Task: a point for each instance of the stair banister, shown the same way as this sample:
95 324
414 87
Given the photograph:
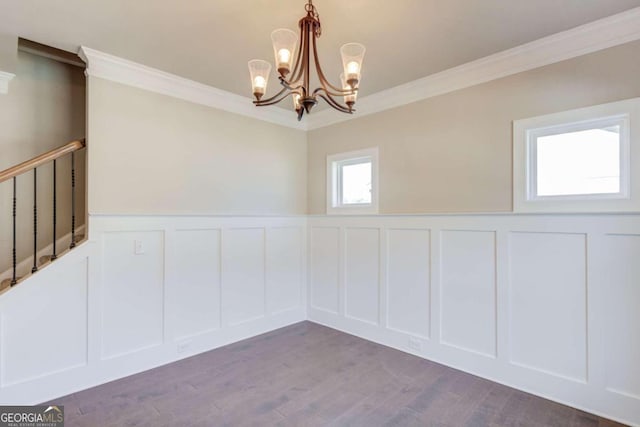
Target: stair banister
13 172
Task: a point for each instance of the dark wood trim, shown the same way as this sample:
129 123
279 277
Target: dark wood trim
56 54
41 159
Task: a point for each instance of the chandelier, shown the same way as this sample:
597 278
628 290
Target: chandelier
295 80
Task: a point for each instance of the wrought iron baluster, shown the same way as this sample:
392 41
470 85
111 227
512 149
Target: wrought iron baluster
55 201
35 221
14 257
73 201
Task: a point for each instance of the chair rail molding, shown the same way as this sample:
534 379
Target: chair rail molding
5 78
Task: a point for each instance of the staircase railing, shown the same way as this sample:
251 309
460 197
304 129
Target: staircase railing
14 172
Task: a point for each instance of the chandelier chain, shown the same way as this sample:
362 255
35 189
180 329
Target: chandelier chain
313 12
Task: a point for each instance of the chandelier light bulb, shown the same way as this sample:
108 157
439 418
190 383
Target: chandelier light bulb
259 83
283 57
353 71
296 101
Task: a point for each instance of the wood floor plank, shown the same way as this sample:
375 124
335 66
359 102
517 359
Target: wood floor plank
310 375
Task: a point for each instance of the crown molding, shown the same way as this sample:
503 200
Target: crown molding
5 78
594 36
113 68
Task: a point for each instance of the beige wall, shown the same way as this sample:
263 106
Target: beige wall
44 109
8 53
452 153
153 154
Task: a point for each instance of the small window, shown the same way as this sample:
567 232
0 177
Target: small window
575 161
352 182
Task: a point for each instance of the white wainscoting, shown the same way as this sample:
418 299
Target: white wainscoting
549 304
146 291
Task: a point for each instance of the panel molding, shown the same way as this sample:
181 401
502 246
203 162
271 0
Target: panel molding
363 270
158 336
338 278
260 283
171 346
586 240
494 289
531 249
386 249
54 285
623 344
174 278
269 267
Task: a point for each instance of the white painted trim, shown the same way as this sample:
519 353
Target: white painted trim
167 337
109 67
588 38
5 78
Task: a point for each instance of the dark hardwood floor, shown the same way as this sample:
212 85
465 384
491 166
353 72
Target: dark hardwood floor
306 375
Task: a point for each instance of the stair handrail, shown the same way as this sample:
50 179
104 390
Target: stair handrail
54 154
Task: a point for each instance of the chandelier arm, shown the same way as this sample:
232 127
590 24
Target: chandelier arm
299 70
296 71
288 85
308 27
273 100
268 100
345 92
333 103
323 80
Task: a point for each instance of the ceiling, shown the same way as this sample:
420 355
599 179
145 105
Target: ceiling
211 41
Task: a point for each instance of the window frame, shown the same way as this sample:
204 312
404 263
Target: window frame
335 162
625 114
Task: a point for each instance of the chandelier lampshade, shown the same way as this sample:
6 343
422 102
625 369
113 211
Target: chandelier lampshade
284 47
352 56
294 55
259 71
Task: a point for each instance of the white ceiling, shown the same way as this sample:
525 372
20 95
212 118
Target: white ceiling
211 41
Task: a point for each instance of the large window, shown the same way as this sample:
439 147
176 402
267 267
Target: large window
352 181
578 160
